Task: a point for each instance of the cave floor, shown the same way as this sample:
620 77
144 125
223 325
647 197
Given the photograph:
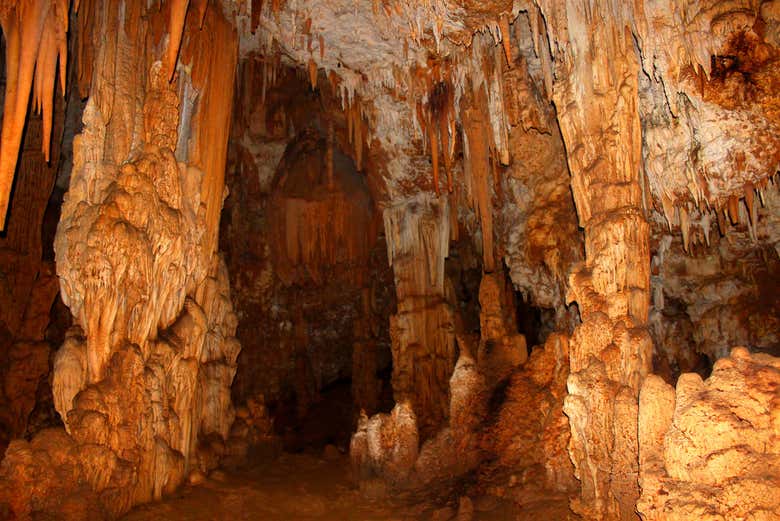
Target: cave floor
308 487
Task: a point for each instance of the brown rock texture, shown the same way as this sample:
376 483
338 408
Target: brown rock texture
400 189
501 347
533 446
597 96
303 242
710 449
28 284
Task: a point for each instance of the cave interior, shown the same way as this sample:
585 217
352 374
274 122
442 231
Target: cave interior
390 259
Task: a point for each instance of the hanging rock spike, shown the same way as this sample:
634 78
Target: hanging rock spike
175 30
503 25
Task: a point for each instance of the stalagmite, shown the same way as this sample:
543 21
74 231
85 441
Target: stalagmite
418 234
477 167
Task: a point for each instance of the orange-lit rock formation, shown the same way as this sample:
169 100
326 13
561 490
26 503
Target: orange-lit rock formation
502 244
708 449
146 373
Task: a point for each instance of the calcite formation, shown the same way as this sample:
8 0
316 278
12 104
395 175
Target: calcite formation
422 331
146 373
321 216
709 449
385 450
35 34
530 445
521 233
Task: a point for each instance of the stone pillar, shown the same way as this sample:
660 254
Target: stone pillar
595 94
143 382
501 347
422 332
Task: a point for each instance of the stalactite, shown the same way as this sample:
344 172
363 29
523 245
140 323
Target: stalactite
733 209
505 40
444 133
212 56
85 48
477 167
313 74
200 7
320 216
35 33
319 234
350 124
685 227
257 11
357 140
433 137
177 15
750 202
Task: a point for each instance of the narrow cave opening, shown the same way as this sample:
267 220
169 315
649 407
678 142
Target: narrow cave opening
535 323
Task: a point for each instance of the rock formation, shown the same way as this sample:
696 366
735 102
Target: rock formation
708 449
508 246
28 284
145 374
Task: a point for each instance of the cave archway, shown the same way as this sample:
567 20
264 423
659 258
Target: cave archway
305 245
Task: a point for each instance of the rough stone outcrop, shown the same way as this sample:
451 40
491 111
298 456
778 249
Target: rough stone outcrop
385 450
529 445
710 449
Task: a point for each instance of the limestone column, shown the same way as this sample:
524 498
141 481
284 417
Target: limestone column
422 331
595 94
